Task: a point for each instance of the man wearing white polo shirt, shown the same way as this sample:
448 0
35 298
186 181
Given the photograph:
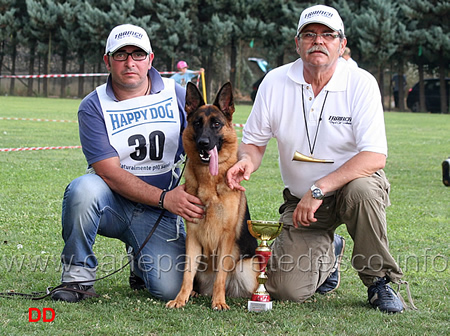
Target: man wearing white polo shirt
328 116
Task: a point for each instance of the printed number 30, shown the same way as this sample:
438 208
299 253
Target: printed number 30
156 141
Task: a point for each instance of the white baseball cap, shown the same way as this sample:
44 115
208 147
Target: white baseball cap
127 34
325 15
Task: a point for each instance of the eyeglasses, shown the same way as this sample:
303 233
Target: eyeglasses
122 56
309 37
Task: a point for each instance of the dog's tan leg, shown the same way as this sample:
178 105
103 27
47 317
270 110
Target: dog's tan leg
227 263
193 251
219 301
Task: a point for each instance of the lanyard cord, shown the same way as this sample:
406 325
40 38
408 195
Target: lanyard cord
311 148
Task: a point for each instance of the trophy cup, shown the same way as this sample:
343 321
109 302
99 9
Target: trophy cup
264 231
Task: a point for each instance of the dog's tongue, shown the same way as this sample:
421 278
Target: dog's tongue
213 161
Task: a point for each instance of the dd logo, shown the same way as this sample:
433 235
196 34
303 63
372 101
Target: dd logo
45 314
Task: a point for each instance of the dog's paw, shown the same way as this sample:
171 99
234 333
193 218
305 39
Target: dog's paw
220 306
175 304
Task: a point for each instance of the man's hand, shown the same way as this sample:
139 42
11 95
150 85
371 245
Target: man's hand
240 171
305 210
250 157
181 203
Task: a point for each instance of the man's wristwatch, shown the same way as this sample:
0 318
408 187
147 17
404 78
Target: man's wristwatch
317 193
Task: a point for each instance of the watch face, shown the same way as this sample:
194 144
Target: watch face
317 194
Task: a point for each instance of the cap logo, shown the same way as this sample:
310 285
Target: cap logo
318 13
128 34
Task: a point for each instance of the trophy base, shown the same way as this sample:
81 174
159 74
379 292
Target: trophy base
259 306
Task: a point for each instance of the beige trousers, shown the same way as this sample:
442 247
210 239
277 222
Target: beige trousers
303 257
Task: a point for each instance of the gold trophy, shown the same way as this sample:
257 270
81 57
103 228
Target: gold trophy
264 231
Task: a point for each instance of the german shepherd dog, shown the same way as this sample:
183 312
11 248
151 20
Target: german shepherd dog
219 248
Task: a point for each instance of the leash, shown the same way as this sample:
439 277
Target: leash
35 296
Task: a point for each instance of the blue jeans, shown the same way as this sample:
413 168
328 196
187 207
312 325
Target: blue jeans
90 207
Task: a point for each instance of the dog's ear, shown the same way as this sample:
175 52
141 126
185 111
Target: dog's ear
194 98
224 100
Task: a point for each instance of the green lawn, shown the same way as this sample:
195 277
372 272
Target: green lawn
32 185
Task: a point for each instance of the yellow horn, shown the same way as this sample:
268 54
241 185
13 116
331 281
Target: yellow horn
300 157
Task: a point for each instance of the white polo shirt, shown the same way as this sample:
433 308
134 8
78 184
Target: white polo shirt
352 121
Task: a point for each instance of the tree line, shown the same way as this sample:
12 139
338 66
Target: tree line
53 36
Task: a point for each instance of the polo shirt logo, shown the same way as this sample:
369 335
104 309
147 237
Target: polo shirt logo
339 120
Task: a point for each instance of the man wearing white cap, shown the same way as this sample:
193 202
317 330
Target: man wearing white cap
327 118
130 131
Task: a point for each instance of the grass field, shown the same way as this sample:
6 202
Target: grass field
31 189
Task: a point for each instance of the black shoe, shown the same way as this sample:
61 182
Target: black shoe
73 293
383 297
136 283
333 280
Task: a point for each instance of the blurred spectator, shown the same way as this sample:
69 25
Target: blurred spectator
184 75
347 55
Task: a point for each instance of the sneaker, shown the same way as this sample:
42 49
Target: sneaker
136 283
333 280
383 297
73 292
